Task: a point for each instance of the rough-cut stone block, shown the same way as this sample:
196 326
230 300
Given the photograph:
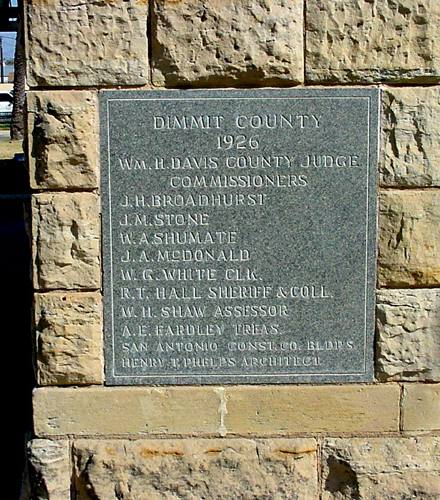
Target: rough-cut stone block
66 241
408 335
421 407
285 410
69 338
411 137
87 43
371 41
49 469
145 411
63 140
221 43
409 242
196 469
386 468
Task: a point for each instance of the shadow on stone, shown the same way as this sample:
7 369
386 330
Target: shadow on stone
341 479
16 304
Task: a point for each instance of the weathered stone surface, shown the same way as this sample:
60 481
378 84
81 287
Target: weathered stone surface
261 410
221 43
87 43
69 338
409 243
196 469
408 335
369 41
63 140
421 407
381 468
66 234
266 410
118 411
411 137
49 469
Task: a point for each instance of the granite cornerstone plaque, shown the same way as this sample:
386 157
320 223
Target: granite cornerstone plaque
239 235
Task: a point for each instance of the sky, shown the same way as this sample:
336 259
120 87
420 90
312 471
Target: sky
8 44
9 39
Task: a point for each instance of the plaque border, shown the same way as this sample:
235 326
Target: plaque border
373 107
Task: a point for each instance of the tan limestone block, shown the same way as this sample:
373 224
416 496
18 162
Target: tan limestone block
408 335
421 407
49 469
225 42
372 41
72 43
69 338
281 410
386 468
196 469
63 139
409 243
66 241
101 411
411 137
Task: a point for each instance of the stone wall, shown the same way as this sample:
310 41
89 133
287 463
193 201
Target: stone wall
371 441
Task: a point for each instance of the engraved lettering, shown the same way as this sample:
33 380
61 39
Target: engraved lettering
132 164
329 161
203 255
128 312
189 274
172 122
143 363
274 121
183 311
242 181
128 275
251 311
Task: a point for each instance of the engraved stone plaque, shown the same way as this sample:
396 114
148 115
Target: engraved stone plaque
239 235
